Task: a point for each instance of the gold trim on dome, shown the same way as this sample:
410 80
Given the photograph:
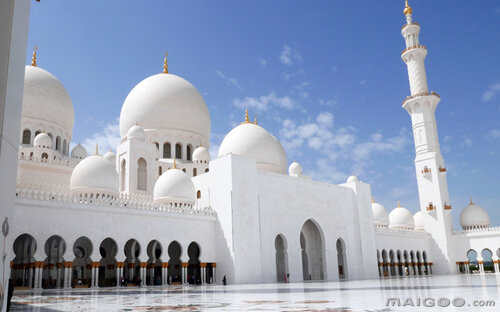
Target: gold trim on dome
34 57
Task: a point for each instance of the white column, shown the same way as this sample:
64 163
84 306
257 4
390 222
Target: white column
94 277
481 265
37 275
203 275
143 279
67 276
497 265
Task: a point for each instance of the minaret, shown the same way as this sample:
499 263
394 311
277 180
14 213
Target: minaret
429 163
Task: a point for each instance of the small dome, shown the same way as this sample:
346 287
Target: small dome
420 219
295 169
166 102
352 179
473 217
42 140
110 156
136 132
79 152
201 154
253 141
174 186
94 174
46 99
401 218
379 214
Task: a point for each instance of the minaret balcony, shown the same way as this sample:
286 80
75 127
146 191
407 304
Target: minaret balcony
413 96
447 207
430 207
418 46
442 170
426 172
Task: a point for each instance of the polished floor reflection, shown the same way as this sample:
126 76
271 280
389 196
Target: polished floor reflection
437 293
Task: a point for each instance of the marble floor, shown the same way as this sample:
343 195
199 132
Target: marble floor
437 293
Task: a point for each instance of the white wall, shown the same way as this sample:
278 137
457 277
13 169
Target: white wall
14 24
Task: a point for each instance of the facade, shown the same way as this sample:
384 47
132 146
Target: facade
160 211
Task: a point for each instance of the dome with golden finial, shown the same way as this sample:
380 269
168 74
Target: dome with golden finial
408 9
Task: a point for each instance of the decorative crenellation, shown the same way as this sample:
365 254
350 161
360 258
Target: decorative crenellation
124 200
478 229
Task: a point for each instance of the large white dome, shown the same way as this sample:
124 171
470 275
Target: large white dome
46 99
174 186
94 174
379 214
474 216
401 218
166 102
253 141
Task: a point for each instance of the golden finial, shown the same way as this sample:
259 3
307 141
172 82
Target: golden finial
96 149
165 64
247 120
471 202
255 120
399 204
34 57
373 200
408 9
175 165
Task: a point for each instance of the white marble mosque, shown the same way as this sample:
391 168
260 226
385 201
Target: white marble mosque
76 214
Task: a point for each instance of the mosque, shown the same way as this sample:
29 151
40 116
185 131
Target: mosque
160 211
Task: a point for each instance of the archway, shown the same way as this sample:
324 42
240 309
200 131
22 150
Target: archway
385 263
23 270
132 264
166 150
473 264
406 264
488 265
178 151
341 258
53 266
174 271
426 264
107 266
154 267
142 175
312 246
412 263
194 265
419 263
26 137
379 264
123 175
392 268
281 259
82 264
400 262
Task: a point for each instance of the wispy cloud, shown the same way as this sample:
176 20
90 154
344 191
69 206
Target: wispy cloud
229 80
289 55
494 133
491 92
264 102
107 139
263 62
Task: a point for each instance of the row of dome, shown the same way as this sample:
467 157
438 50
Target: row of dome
471 217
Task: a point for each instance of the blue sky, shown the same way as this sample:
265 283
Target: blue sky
325 77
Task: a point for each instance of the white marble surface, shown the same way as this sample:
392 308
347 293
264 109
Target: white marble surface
368 295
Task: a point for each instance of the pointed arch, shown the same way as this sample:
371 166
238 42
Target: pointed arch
123 175
280 245
341 258
313 251
142 174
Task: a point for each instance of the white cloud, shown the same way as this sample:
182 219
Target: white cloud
289 55
229 80
494 133
325 119
107 139
264 102
491 92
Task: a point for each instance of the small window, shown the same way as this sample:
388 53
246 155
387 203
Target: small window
198 194
194 172
188 152
159 171
166 150
178 151
26 136
206 170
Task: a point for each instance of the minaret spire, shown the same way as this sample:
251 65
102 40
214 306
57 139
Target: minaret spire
34 57
165 63
429 163
96 149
